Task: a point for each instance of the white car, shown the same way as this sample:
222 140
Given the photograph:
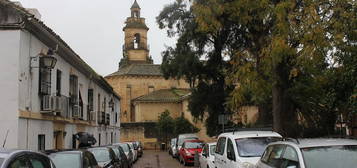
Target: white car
206 157
310 153
242 149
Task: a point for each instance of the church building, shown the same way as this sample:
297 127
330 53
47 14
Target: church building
144 92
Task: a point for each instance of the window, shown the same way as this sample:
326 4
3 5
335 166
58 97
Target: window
116 117
80 105
98 105
274 158
221 144
19 162
136 41
39 161
99 139
204 150
58 82
90 104
73 89
151 89
105 104
45 81
290 158
41 142
230 151
111 137
73 94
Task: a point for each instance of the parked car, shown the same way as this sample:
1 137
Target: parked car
135 152
140 148
172 147
24 158
105 157
310 153
74 159
188 150
180 139
206 157
119 152
242 148
127 151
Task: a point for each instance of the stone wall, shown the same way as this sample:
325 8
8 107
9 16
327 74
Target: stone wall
131 87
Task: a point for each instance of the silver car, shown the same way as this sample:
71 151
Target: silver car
310 153
24 158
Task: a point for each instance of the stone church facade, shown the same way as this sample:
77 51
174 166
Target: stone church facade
144 92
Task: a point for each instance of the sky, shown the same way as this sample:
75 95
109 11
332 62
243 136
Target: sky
93 28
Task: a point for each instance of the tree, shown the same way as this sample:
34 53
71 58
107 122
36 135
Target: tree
198 58
285 53
165 126
297 58
182 125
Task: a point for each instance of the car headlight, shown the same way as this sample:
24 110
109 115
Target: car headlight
248 165
188 153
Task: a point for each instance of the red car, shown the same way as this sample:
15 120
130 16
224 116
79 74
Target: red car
188 150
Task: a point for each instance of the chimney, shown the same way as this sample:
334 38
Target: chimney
32 11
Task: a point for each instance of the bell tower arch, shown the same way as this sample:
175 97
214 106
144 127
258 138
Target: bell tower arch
136 49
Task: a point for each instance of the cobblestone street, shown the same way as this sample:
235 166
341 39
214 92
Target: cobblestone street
157 159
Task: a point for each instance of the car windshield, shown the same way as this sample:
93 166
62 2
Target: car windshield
125 147
253 147
193 145
66 160
101 155
212 149
330 156
181 140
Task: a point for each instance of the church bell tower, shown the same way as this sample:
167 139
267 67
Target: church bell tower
135 49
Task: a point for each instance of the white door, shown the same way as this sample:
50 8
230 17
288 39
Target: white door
230 155
219 158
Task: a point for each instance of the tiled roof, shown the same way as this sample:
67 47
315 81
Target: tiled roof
165 95
138 70
135 5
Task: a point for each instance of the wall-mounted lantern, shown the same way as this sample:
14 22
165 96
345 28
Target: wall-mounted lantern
46 61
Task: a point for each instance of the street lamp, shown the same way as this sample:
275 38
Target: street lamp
48 61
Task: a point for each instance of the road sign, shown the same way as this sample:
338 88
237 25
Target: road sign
223 119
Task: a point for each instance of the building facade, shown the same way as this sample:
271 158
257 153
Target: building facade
144 91
45 107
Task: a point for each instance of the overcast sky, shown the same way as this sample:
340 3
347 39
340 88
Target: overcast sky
93 28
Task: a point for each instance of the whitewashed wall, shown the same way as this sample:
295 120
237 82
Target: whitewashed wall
29 99
9 99
30 129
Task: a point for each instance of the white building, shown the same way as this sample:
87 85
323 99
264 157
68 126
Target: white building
42 108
